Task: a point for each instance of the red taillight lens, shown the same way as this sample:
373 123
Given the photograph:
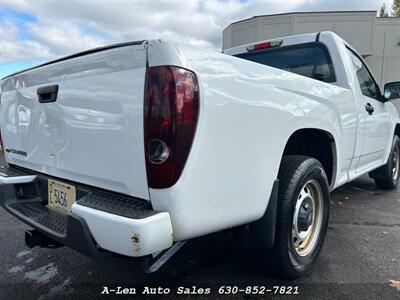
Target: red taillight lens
171 106
262 46
265 45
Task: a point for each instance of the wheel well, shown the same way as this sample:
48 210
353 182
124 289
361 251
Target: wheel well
397 130
315 143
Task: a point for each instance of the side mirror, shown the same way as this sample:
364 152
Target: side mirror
392 90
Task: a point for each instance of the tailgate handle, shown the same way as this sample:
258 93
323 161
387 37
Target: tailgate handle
47 93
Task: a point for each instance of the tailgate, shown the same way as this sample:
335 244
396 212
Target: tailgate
93 132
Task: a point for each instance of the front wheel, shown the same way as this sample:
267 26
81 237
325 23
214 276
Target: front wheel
387 176
302 216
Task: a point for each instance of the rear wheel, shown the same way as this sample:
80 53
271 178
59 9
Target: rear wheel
387 176
302 216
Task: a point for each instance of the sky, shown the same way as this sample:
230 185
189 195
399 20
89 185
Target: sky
35 31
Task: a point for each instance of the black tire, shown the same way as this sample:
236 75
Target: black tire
294 174
384 176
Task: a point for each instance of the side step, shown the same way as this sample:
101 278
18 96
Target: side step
40 216
117 204
51 229
10 175
151 264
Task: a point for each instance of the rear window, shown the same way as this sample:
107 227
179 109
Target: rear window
310 60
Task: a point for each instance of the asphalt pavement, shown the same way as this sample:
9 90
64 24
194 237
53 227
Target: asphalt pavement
360 256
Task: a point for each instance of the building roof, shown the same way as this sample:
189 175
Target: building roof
304 12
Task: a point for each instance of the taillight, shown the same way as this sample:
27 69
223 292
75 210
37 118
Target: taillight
171 106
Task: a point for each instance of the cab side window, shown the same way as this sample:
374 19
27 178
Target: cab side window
367 83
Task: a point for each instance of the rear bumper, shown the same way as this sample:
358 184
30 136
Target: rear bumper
99 221
127 236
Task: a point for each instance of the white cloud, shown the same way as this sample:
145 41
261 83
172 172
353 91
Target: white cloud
63 37
68 26
13 49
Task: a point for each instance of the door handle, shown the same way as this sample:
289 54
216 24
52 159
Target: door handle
47 93
369 108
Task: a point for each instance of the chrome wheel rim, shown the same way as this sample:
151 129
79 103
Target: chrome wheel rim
307 218
395 163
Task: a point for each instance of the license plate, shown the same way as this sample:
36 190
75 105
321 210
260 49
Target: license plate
61 195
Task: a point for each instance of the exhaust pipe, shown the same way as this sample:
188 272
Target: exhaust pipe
35 238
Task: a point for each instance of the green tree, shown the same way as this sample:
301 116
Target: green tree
396 8
382 12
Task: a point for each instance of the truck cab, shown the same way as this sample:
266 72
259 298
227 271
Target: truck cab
368 119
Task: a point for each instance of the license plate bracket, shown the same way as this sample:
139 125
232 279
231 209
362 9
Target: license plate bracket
61 196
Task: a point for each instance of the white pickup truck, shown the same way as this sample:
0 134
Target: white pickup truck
135 148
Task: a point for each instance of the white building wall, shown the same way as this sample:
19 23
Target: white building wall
356 27
377 39
385 61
